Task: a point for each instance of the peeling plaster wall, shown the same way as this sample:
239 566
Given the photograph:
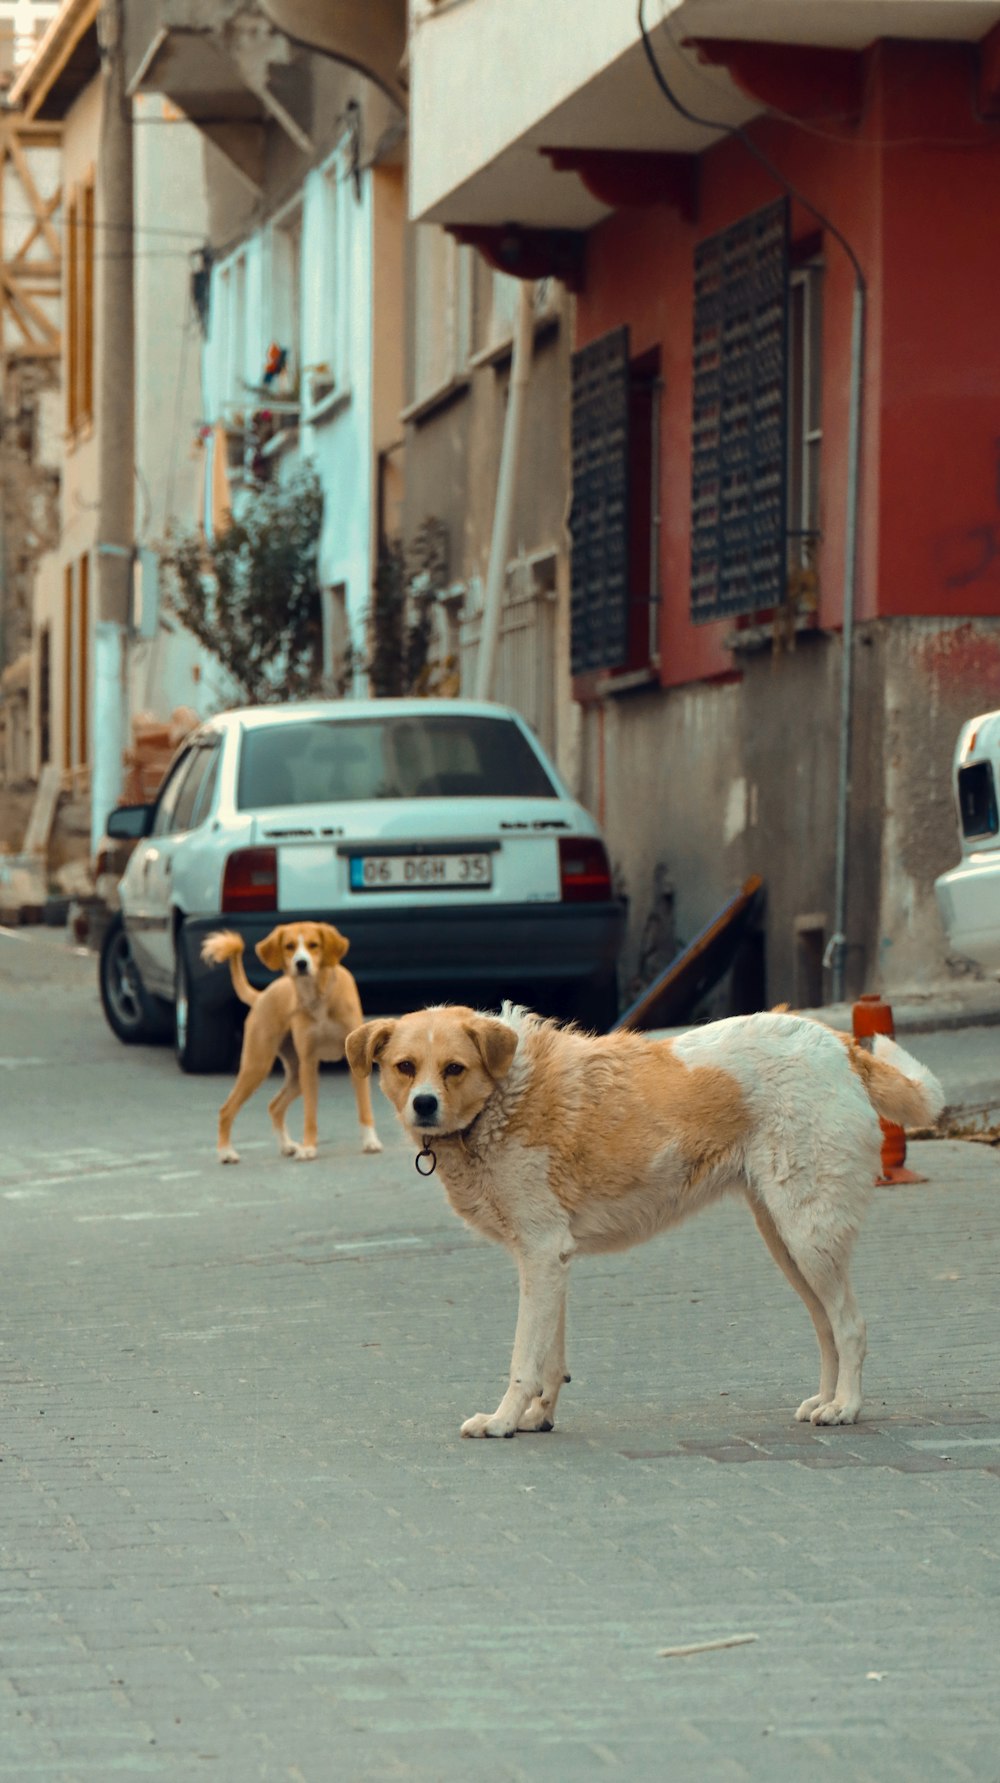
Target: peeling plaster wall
937 673
720 781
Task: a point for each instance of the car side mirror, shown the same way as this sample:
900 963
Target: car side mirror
128 822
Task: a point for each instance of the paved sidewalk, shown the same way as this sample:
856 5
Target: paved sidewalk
961 1003
242 1539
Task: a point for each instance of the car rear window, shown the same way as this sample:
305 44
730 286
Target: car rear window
977 800
319 761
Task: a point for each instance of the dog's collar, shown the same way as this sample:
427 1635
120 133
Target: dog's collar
425 1162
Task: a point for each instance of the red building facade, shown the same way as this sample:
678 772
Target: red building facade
898 147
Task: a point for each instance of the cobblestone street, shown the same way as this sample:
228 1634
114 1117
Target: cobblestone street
242 1538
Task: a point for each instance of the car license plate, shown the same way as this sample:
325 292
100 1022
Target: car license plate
421 872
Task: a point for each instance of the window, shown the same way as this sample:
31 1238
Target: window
504 296
443 306
614 522
805 430
67 654
599 515
739 422
286 289
163 822
83 660
977 800
194 796
496 297
229 335
80 306
329 293
45 695
323 761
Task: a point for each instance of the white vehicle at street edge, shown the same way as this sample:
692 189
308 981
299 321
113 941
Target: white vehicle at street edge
969 895
434 833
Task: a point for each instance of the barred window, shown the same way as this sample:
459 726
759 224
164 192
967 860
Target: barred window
739 520
599 521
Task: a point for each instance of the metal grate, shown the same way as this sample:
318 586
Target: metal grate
738 446
599 523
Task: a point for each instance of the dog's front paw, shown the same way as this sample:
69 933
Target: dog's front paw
228 1154
485 1425
303 1154
834 1412
806 1409
370 1141
288 1148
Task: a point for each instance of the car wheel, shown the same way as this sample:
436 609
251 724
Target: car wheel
203 1038
131 1013
595 1004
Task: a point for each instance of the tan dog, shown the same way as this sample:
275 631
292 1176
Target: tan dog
303 1017
556 1142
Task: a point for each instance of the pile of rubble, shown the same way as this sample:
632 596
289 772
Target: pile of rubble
51 874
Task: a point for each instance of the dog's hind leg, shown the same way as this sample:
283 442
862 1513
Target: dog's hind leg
820 1248
251 1075
828 1363
279 1104
541 1413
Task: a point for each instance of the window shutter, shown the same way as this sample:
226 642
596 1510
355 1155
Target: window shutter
738 444
599 526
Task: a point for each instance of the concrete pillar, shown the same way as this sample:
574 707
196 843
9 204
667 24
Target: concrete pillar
115 420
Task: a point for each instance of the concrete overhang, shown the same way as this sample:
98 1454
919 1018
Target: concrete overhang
572 76
369 35
229 71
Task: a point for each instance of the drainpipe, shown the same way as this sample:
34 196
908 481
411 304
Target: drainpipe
115 426
836 952
503 512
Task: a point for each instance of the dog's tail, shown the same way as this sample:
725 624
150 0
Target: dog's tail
224 944
899 1088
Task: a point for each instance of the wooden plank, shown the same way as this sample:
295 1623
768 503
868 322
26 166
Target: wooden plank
41 213
43 811
19 300
696 968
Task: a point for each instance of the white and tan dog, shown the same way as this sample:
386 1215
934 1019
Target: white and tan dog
556 1143
302 1018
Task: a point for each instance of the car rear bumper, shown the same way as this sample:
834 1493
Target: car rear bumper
463 955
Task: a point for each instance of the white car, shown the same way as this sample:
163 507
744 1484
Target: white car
434 833
969 896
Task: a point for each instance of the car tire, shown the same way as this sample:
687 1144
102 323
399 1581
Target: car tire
136 1017
203 1038
595 1004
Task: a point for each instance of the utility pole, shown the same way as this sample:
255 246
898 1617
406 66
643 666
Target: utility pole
115 421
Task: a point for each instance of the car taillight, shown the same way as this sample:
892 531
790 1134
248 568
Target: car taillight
250 881
584 872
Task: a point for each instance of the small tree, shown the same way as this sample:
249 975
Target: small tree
409 583
252 597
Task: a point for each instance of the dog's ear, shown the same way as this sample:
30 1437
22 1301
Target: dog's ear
335 944
364 1046
495 1042
269 952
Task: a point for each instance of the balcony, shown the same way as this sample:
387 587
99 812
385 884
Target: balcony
228 69
541 115
367 34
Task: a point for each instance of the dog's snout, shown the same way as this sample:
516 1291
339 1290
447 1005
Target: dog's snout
302 965
425 1106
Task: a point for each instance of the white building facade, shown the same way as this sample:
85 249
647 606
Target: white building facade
299 288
